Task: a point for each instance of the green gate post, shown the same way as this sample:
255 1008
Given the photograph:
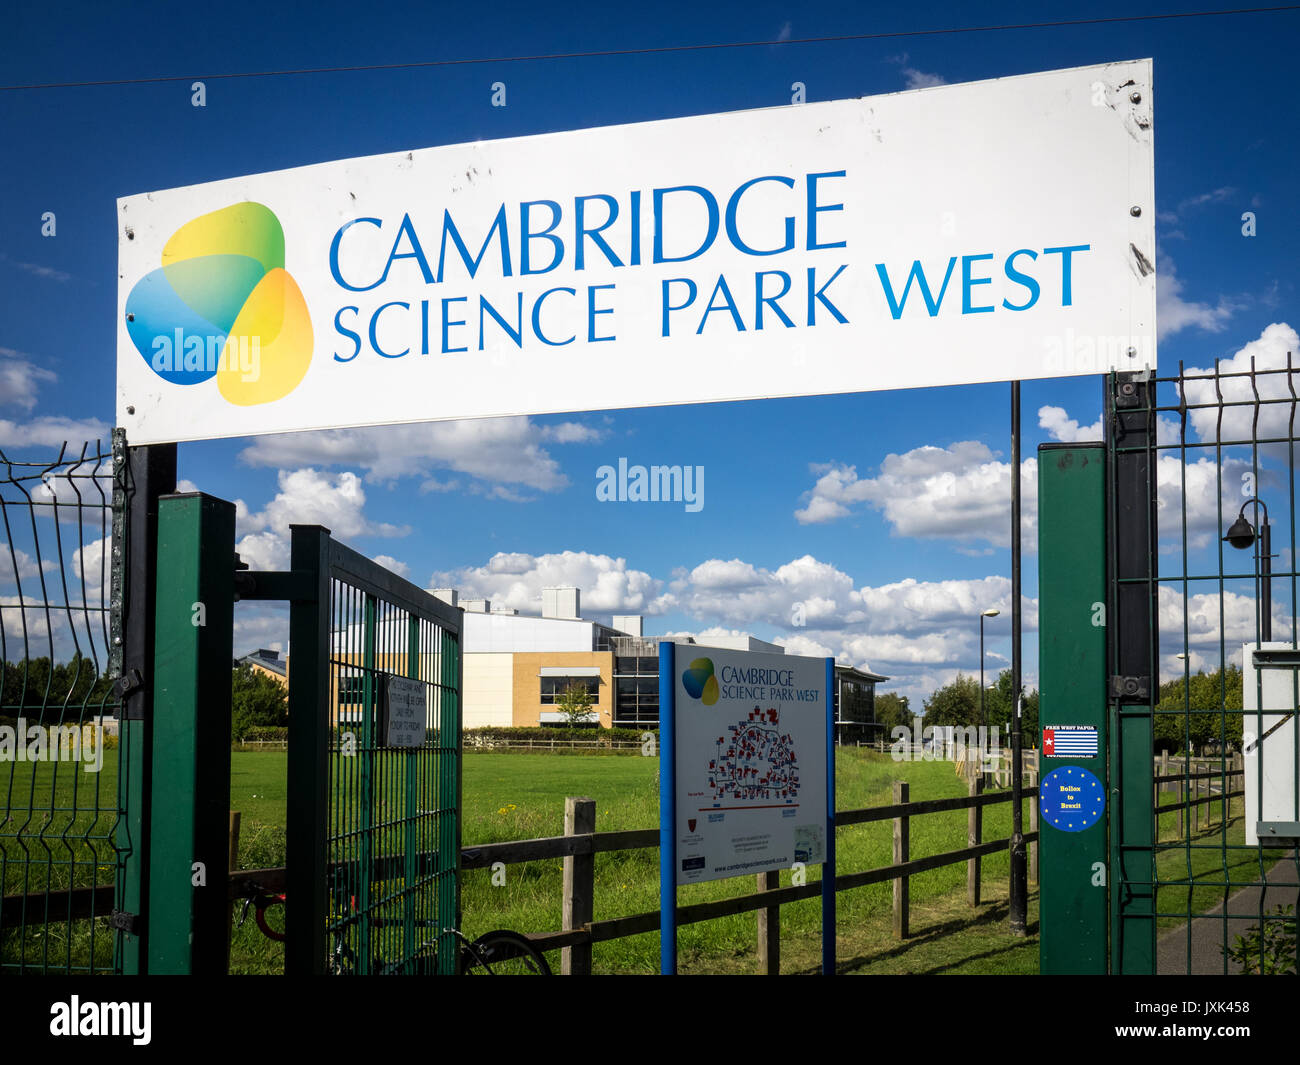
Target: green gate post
1132 627
307 821
1072 667
190 824
146 474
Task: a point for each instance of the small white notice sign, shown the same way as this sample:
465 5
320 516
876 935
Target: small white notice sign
405 714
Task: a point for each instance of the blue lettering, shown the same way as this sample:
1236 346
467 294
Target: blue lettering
918 275
1021 279
374 328
472 265
709 201
516 334
814 209
537 318
668 305
579 213
760 299
345 331
1065 253
968 282
416 252
734 203
447 324
527 236
592 311
729 305
334 254
817 294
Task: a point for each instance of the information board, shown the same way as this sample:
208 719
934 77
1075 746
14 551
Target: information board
751 770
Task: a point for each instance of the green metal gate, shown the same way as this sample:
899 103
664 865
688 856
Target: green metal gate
1199 752
374 821
116 610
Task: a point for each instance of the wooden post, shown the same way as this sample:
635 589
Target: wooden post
579 885
1162 787
901 854
232 866
769 928
974 824
1033 827
1182 799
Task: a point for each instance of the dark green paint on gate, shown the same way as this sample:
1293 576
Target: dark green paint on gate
1072 668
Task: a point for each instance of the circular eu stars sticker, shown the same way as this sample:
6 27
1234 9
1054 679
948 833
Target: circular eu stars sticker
1071 799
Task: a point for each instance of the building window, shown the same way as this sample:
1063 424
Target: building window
553 688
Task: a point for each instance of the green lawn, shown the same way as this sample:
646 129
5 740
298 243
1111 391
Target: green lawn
511 796
521 796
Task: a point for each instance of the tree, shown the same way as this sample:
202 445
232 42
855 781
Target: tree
998 711
256 700
892 710
955 704
1195 713
575 704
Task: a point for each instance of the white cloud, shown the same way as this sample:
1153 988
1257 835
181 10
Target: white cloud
504 451
17 565
516 580
52 431
919 79
1267 352
1065 428
961 492
388 562
306 497
1174 314
20 380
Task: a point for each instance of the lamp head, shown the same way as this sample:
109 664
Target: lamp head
1241 534
990 613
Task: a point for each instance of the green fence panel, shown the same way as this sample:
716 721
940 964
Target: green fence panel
61 848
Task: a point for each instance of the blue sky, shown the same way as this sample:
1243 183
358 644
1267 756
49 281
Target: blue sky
885 515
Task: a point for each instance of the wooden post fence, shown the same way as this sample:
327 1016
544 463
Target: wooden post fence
579 886
974 827
901 854
769 928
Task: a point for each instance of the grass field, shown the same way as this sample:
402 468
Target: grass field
509 796
521 796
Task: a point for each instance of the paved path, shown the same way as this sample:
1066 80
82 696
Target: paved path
1208 933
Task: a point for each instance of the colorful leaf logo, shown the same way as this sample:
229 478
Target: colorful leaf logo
222 305
700 683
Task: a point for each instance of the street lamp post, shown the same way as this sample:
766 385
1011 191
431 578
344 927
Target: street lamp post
983 615
1241 535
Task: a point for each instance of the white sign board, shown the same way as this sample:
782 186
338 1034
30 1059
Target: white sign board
1268 743
990 231
750 762
405 712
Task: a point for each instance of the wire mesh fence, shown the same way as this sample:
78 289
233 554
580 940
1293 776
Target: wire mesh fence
60 852
1226 596
394 799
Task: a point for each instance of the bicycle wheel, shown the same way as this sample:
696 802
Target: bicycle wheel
502 953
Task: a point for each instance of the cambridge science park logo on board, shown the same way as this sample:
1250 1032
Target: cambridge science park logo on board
700 683
222 305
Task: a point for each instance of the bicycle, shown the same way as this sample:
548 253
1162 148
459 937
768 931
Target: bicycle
500 952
